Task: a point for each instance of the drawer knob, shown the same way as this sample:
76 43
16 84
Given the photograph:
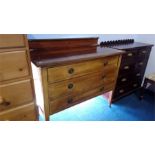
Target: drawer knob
101 89
20 69
105 63
3 102
70 100
103 77
70 86
126 67
141 63
121 91
135 85
71 71
130 54
138 74
143 52
124 79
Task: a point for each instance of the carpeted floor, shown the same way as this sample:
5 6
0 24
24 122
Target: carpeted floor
129 108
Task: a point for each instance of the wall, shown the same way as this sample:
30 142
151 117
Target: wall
102 37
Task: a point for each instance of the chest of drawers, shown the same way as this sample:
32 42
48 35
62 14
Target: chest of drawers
132 67
65 80
16 85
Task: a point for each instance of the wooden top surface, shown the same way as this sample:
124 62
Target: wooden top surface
65 58
51 52
131 46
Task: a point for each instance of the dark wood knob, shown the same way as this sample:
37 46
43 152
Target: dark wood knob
20 69
70 86
70 100
71 71
105 63
101 89
103 77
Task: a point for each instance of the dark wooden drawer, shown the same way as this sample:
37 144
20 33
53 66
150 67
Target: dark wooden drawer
120 91
68 101
129 57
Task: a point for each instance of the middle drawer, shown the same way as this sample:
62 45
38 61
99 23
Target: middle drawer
80 84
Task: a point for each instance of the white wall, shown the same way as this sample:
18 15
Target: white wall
148 38
102 37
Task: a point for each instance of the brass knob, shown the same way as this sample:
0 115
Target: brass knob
70 100
126 67
143 52
130 54
71 71
141 63
124 79
121 91
135 85
70 86
138 74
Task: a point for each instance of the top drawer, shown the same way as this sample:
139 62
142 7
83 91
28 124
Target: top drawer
60 73
13 65
11 40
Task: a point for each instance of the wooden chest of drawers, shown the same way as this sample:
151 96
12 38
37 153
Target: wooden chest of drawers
132 67
16 85
69 80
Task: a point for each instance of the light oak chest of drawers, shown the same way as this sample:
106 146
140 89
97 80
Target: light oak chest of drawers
70 71
16 85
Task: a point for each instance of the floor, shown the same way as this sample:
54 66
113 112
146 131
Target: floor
129 108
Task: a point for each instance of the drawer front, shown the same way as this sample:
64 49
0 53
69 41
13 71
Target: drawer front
80 84
13 65
11 40
120 91
66 72
129 78
15 94
68 101
129 57
23 113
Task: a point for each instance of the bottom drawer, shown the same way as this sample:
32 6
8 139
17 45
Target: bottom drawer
120 91
23 113
68 101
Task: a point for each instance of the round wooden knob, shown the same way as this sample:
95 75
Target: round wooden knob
70 86
101 89
70 100
71 71
105 63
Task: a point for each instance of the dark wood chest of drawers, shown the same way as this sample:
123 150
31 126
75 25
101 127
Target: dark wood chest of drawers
132 67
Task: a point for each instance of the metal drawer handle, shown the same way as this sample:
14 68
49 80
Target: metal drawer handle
126 67
124 79
138 74
141 63
71 71
143 52
101 89
121 91
70 100
3 102
70 86
130 54
135 85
